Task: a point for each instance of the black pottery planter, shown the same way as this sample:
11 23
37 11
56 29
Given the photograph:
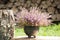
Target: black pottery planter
31 31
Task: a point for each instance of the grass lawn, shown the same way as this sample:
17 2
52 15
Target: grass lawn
52 30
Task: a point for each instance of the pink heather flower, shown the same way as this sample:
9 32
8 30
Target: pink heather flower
34 16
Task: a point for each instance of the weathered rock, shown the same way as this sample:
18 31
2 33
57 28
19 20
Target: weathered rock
12 1
54 17
9 5
1 6
38 1
22 1
15 10
51 10
58 6
56 12
50 0
6 25
27 4
17 4
58 17
33 1
44 5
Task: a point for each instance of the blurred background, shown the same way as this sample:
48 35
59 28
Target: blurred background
50 6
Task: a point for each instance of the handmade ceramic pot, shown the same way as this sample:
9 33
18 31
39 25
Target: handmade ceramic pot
31 31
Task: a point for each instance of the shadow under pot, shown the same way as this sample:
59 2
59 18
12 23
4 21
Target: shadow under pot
31 31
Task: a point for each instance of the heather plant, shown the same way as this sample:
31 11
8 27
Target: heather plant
20 17
33 17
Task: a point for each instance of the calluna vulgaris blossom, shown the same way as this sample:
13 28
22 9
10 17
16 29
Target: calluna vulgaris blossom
34 17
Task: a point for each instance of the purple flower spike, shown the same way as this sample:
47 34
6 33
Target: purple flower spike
34 16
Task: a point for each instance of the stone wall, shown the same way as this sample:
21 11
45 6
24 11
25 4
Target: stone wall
50 6
6 25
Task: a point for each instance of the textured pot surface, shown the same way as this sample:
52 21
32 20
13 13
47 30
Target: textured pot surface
31 30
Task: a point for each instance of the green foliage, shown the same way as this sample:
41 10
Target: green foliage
52 30
19 32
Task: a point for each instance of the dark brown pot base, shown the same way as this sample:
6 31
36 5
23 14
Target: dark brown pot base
31 31
31 37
